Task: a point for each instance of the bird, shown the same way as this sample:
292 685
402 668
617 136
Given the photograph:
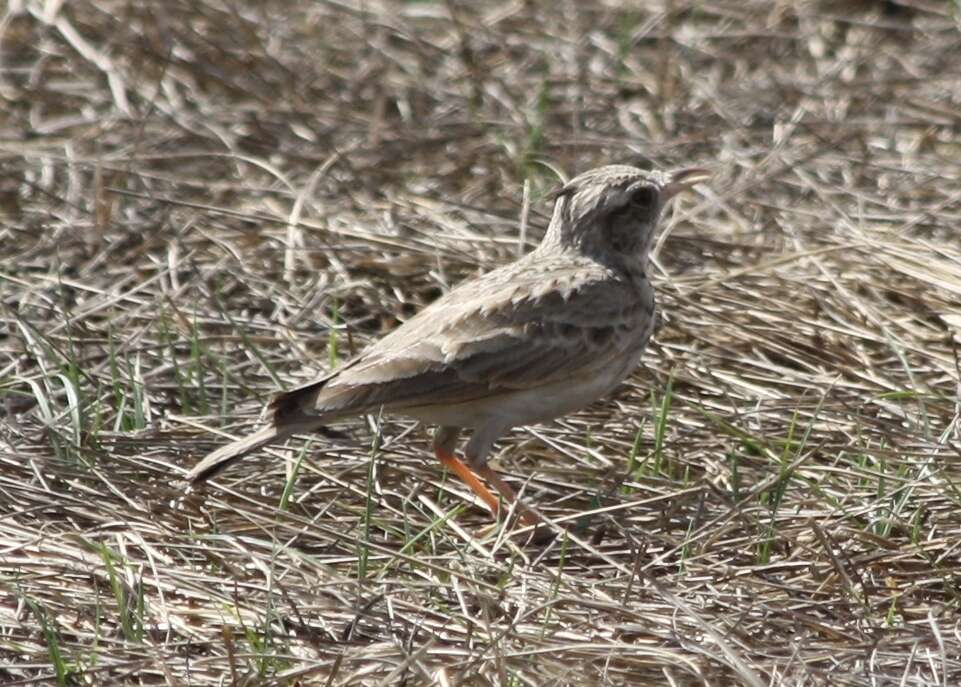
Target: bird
525 343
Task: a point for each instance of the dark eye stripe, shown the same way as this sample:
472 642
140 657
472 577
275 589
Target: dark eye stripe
643 198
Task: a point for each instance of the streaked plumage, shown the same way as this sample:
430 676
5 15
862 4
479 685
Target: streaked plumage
527 342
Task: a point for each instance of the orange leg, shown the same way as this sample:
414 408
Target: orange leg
528 517
455 465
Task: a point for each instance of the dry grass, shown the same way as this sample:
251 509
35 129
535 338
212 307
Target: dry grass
204 202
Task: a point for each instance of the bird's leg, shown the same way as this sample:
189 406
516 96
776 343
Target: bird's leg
444 440
476 452
528 517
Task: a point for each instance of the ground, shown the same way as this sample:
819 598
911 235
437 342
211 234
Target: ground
202 203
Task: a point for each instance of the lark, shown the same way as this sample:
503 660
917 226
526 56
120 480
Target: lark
523 344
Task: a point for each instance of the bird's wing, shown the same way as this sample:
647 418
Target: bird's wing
519 327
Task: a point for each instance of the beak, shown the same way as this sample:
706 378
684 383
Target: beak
683 179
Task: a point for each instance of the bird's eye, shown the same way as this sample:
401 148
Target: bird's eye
644 198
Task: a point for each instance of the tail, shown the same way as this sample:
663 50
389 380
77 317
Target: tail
287 417
225 455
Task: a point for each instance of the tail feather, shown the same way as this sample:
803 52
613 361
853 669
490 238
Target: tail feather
225 455
287 417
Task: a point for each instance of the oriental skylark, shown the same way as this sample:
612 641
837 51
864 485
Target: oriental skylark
525 343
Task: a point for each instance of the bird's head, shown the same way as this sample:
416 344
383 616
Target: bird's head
611 212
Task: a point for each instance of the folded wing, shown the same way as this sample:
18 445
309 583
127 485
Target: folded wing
509 333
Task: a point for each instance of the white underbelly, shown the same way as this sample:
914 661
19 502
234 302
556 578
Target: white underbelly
529 406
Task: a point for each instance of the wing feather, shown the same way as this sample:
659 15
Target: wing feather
507 333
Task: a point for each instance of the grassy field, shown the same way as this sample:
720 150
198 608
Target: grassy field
202 203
